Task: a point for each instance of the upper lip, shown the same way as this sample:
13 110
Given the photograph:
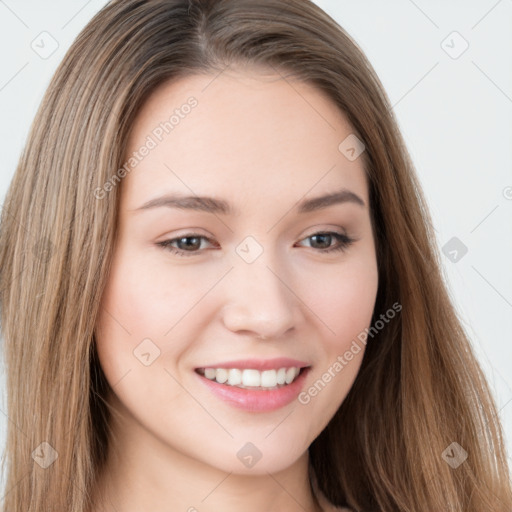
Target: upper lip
259 364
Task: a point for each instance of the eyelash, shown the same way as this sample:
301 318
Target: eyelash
343 245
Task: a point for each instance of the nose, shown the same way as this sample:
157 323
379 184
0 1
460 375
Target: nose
260 302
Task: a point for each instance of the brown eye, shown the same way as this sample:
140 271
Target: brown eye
187 245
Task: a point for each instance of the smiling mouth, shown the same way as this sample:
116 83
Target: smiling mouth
249 378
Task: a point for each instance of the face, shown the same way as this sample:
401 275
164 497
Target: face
253 280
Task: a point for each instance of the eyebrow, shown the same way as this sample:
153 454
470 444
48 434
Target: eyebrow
212 205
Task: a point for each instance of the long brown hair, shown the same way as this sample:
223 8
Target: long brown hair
419 388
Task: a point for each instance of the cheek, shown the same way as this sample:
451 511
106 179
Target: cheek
132 345
141 302
343 300
346 300
144 321
126 319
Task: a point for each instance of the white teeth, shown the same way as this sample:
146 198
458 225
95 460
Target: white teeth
252 378
290 375
210 373
222 375
269 378
235 377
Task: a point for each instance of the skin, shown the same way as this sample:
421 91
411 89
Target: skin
262 143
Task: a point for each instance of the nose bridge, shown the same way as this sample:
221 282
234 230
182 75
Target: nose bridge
259 297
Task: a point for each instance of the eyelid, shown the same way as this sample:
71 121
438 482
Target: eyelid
319 229
344 241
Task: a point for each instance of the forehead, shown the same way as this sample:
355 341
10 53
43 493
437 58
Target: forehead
249 135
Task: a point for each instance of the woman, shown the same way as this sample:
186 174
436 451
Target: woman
185 343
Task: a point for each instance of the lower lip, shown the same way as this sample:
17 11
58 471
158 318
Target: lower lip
257 400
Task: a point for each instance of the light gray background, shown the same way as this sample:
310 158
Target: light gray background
455 115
